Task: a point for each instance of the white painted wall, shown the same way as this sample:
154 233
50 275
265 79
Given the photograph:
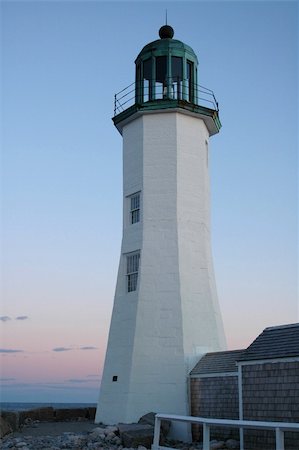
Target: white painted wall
158 332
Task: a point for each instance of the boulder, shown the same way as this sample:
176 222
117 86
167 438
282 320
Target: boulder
12 418
5 428
135 435
217 445
232 444
98 433
111 429
149 419
98 430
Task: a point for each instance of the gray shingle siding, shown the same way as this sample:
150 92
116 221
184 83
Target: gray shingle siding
271 393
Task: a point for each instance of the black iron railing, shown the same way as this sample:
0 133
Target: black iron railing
173 90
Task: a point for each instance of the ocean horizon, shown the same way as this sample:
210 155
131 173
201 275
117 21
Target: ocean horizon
25 406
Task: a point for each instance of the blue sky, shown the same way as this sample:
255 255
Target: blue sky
62 174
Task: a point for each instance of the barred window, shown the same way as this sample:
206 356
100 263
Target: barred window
132 271
134 208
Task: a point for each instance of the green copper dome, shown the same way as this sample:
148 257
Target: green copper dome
167 45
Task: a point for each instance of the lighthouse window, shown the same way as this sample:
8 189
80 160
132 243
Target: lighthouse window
134 208
132 271
161 81
177 76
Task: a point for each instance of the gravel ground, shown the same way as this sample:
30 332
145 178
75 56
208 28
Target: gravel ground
83 435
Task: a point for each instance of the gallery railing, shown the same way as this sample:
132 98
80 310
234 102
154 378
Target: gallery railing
172 89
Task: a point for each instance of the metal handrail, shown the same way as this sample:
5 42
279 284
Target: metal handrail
202 95
279 427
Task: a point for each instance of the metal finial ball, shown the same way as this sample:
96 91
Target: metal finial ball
166 32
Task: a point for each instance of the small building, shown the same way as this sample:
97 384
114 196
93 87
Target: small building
258 383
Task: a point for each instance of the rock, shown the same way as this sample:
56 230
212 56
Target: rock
28 421
97 437
149 419
109 437
77 440
111 429
12 418
5 427
98 433
134 435
217 445
232 444
99 430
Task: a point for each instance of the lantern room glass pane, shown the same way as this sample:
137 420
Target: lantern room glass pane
161 73
147 69
190 82
177 76
147 75
138 83
177 67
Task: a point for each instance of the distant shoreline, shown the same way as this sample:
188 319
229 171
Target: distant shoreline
26 406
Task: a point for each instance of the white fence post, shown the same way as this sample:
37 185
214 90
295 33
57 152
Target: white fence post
279 434
206 437
156 440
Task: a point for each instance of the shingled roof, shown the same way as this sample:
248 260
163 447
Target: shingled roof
274 342
217 362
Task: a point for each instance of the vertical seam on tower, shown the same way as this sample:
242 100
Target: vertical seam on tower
178 251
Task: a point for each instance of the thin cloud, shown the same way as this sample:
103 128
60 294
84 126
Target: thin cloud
7 379
76 380
81 380
18 385
88 348
10 350
61 349
4 318
22 318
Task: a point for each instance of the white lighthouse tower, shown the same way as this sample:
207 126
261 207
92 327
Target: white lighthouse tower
166 313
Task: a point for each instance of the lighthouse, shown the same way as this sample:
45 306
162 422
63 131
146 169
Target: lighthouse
166 313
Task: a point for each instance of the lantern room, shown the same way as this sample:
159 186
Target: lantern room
166 69
166 79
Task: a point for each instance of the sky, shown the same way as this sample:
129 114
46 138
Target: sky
61 175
